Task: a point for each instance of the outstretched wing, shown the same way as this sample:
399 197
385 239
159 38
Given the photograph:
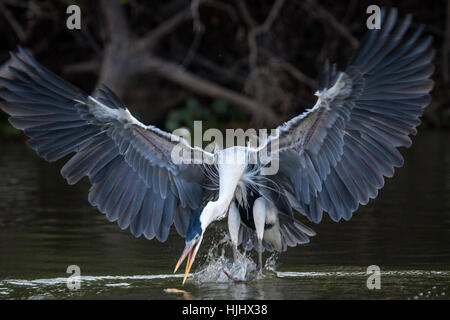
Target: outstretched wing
134 181
337 154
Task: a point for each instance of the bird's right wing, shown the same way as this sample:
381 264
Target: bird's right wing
337 154
134 180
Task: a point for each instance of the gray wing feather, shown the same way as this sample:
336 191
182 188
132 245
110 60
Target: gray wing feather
339 152
134 181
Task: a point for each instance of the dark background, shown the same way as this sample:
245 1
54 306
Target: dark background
230 63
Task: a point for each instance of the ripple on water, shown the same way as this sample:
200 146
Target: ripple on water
211 271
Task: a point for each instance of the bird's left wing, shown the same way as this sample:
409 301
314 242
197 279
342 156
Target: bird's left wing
337 154
129 165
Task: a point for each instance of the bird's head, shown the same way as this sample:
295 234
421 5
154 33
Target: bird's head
194 237
200 220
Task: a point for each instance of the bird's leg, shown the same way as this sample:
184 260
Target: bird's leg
254 273
259 217
235 252
234 223
260 251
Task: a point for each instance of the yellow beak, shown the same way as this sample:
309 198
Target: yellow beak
190 252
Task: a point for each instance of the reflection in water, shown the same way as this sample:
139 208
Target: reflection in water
47 226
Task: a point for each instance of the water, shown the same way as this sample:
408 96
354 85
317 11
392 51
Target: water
45 226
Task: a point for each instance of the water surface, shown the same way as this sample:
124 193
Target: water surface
46 225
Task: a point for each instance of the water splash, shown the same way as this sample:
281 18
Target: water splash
271 262
212 270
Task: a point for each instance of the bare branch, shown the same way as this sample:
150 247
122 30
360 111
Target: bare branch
93 65
345 21
323 14
296 73
116 22
199 29
21 34
222 6
115 65
149 40
256 31
179 75
222 72
154 36
245 14
121 62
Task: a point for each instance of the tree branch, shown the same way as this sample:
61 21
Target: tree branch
21 34
115 21
199 29
179 75
321 13
256 31
245 14
122 61
116 68
150 39
296 73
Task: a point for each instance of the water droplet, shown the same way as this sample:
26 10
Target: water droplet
217 261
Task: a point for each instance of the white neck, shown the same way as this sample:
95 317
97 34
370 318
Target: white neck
231 163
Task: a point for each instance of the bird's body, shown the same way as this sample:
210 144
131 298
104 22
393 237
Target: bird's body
246 214
332 158
254 204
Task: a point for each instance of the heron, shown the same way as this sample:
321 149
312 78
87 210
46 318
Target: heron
332 158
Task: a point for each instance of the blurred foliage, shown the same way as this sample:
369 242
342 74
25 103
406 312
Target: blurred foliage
7 132
218 115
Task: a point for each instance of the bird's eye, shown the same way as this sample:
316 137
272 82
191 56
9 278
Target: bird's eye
196 237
